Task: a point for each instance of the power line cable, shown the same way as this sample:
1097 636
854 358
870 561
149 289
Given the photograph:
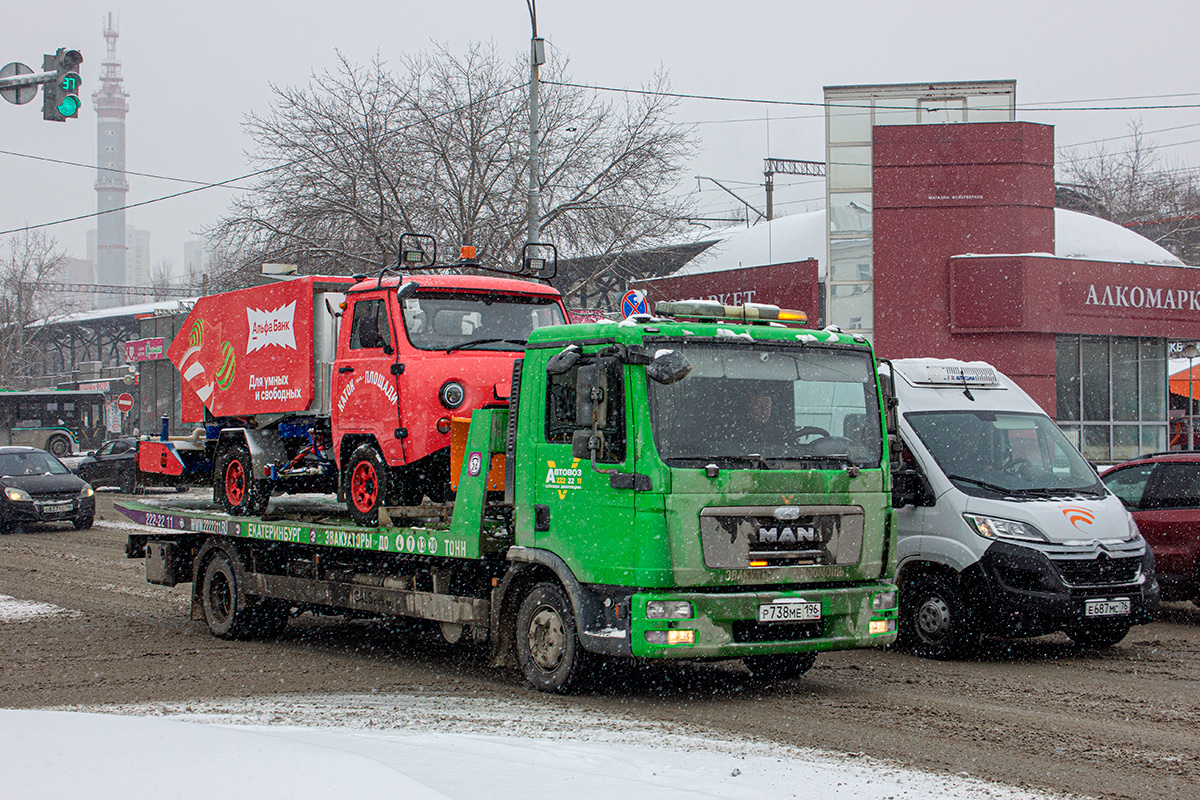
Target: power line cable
255 174
109 169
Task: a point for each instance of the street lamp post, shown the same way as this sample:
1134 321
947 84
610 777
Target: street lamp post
1190 352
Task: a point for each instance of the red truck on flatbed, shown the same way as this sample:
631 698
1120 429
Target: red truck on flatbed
345 384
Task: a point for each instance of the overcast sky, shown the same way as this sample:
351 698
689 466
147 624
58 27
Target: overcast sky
192 71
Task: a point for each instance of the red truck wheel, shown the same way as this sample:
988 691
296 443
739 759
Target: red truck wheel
234 485
366 485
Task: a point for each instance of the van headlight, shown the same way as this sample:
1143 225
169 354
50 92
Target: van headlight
17 495
996 528
1134 532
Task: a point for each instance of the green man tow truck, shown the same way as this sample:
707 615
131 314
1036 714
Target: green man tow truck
705 483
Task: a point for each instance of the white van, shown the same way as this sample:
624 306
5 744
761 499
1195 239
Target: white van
1004 528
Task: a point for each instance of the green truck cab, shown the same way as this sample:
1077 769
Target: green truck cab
687 488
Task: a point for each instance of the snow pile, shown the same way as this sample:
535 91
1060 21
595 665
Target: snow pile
14 610
427 745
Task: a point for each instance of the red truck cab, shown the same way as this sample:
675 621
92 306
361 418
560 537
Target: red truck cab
413 352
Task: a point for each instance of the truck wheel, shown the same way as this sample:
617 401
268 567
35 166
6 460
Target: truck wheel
219 599
937 618
366 485
780 666
1099 634
234 485
59 446
548 648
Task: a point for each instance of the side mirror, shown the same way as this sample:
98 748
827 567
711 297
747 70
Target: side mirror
668 367
911 488
581 444
591 396
91 454
563 361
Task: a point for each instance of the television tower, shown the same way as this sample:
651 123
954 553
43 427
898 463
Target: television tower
111 186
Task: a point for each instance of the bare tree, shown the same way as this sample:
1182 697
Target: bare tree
1134 188
31 260
362 155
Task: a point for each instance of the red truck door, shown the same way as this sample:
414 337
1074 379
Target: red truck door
365 392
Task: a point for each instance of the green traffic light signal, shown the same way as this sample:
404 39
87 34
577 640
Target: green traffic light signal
69 103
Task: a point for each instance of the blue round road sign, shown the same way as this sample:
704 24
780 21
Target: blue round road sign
634 302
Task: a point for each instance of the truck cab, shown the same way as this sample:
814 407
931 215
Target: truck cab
1004 528
413 352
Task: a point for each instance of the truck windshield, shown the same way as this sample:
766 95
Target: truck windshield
991 453
485 321
758 407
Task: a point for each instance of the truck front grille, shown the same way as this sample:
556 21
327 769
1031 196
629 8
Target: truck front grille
1099 571
781 536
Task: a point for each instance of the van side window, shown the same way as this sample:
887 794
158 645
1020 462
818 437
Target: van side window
369 328
561 404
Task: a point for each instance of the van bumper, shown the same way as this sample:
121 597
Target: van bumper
1022 591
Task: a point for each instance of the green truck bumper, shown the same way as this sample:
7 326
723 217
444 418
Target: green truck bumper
727 625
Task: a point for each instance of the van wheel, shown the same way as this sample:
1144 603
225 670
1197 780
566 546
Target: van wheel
548 648
1099 634
59 446
366 485
936 619
234 485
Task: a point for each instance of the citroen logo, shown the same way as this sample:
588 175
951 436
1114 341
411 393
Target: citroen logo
1079 517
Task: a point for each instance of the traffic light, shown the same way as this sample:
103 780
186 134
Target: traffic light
60 97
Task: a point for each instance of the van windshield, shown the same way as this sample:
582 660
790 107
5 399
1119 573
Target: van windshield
1005 453
753 406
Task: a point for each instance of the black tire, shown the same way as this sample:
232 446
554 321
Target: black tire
234 485
83 523
779 666
129 482
366 484
225 610
59 446
935 618
1099 634
548 648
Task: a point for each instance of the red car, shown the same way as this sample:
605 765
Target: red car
1163 493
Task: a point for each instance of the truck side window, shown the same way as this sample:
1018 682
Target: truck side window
369 328
560 412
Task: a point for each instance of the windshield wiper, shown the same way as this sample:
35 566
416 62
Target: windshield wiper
474 342
834 458
983 484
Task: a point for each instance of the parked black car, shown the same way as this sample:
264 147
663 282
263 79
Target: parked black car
36 487
114 464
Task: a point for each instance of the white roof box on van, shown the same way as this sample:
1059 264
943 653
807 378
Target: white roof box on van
947 372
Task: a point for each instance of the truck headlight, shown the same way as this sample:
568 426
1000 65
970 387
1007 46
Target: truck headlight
452 394
87 490
883 600
17 495
996 528
668 609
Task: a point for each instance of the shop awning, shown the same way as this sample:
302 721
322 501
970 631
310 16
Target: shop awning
1179 381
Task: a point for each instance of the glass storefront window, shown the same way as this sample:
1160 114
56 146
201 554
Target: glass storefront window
990 108
896 111
849 167
849 260
1117 387
850 212
1066 371
1124 380
849 120
942 109
1095 376
851 306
